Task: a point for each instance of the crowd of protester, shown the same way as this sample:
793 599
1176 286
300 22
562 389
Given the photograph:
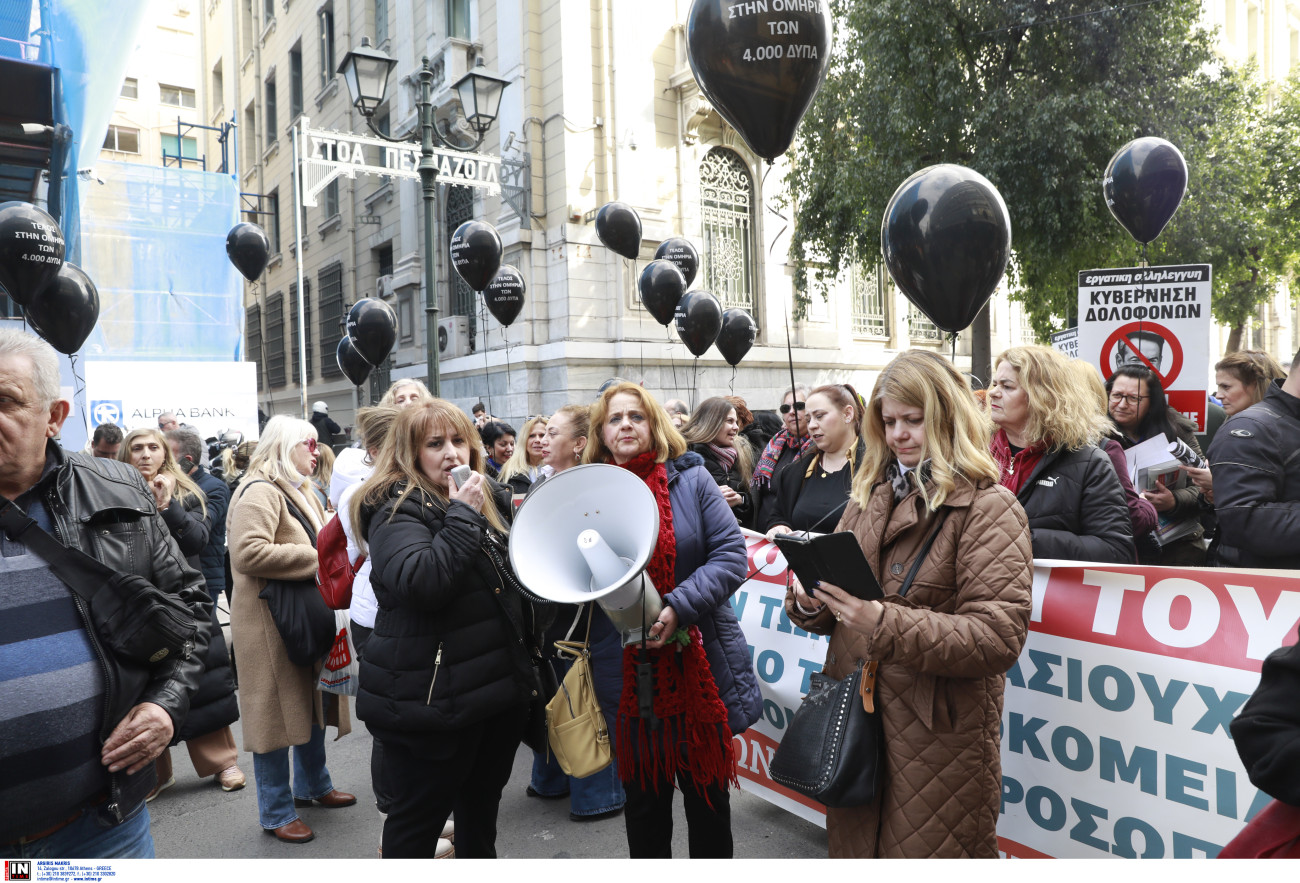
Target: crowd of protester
959 491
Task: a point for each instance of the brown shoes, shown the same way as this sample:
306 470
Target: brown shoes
294 832
332 800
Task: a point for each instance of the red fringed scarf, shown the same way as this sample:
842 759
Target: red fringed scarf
686 700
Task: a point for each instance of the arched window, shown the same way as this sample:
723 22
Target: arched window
460 208
727 214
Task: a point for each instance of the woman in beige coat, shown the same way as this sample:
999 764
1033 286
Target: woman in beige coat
943 649
280 703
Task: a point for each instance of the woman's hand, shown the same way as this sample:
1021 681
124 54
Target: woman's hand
861 616
1203 480
472 492
777 531
1161 497
664 627
803 599
730 497
162 487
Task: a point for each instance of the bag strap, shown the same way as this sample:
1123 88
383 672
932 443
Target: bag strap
925 550
293 510
72 566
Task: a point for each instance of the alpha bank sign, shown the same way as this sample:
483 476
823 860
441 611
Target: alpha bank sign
326 155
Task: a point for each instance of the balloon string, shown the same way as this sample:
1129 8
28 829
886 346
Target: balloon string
507 342
777 237
953 339
677 389
695 382
79 389
487 379
731 385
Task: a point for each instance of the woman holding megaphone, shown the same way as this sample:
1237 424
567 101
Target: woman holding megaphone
447 675
704 686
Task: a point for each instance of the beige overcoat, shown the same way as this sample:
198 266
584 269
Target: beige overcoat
943 651
278 700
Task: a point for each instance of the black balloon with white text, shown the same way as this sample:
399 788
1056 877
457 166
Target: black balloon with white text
699 320
31 250
504 295
372 325
661 285
683 254
476 253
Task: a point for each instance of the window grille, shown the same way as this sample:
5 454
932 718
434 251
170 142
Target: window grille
870 318
727 214
275 340
330 281
253 339
919 327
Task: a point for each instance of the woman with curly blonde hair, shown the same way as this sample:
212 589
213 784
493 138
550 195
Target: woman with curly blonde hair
941 653
522 469
1047 430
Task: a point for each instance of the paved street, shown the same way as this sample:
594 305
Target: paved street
195 819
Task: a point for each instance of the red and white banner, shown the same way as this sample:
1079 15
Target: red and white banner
1115 728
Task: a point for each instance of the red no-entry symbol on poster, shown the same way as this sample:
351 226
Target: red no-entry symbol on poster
1147 344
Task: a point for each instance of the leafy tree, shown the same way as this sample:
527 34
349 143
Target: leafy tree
1036 95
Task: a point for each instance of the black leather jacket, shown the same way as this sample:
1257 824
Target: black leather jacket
103 508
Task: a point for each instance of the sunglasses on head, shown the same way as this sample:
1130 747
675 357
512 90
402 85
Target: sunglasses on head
798 406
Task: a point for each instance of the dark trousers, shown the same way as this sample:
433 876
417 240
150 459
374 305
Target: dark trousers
648 816
427 776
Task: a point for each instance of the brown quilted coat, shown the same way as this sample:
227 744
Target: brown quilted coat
943 651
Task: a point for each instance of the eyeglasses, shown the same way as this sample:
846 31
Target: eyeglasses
798 406
1116 398
311 444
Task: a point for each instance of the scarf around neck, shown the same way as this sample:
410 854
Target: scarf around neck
693 735
772 453
726 456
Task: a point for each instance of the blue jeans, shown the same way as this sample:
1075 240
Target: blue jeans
311 780
600 792
88 837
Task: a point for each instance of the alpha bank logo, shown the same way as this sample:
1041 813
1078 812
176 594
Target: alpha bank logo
106 411
20 869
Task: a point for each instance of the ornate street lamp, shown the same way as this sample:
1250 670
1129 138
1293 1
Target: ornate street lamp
366 70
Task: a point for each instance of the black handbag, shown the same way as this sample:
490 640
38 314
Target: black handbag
305 624
831 751
136 620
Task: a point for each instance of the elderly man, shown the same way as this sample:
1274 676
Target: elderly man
106 441
82 723
167 422
678 412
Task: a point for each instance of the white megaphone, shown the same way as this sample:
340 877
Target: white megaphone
587 534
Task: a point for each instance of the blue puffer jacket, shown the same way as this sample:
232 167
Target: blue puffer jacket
711 565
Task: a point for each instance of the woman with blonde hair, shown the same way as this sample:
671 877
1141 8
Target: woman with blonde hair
940 654
812 492
447 674
521 470
1242 379
705 689
713 432
404 393
273 521
1047 429
322 475
206 729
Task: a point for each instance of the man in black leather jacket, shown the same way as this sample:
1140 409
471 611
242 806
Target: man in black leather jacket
1255 462
82 725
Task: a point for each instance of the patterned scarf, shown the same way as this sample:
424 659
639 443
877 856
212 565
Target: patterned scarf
686 700
904 483
772 453
726 456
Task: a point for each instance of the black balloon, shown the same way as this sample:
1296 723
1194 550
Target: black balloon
681 253
1144 186
476 253
699 320
619 227
248 249
946 239
760 69
353 365
504 295
662 286
737 335
66 311
31 250
372 325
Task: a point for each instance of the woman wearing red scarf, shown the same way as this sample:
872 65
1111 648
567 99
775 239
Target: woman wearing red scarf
1045 444
704 686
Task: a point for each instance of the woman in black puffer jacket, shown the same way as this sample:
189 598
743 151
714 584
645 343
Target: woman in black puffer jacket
447 676
1047 426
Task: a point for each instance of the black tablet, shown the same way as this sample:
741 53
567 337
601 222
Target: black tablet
835 558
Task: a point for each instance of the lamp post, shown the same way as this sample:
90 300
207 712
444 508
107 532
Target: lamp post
366 70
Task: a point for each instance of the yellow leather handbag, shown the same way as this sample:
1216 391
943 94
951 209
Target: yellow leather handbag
575 725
